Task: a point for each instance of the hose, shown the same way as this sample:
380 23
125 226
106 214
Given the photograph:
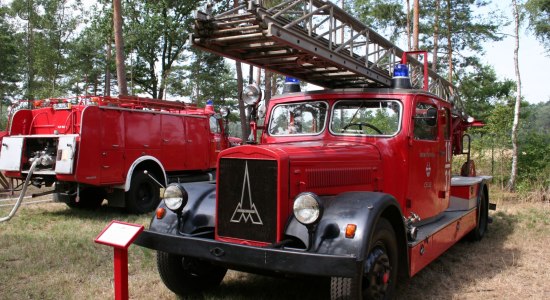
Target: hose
23 191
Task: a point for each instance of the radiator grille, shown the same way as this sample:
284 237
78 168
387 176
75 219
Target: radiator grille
247 199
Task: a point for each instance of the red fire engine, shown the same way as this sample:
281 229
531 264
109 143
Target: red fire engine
119 148
352 182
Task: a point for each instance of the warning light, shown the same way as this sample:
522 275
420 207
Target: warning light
292 85
401 70
209 106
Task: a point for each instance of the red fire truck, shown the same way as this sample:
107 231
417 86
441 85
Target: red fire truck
352 182
117 148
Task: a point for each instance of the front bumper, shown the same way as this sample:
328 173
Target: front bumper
259 258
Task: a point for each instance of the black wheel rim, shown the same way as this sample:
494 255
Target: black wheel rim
377 275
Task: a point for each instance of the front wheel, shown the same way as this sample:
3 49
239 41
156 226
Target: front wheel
144 194
380 270
185 275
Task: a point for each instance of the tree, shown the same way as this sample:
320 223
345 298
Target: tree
514 171
456 33
50 28
539 19
383 16
206 77
480 90
9 53
119 48
157 32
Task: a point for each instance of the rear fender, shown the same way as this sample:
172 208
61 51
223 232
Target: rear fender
197 216
360 208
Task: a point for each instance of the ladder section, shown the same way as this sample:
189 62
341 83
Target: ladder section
313 40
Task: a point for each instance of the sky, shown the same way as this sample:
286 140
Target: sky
533 60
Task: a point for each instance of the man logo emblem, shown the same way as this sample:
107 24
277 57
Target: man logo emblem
249 213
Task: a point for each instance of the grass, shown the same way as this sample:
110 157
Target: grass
47 252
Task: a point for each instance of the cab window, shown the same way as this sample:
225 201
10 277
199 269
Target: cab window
214 125
371 117
425 122
307 118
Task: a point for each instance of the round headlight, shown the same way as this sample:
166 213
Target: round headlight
307 208
251 95
175 197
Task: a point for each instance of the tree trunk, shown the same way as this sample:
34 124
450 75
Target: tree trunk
514 172
449 42
408 25
240 83
436 36
119 48
416 23
268 87
107 91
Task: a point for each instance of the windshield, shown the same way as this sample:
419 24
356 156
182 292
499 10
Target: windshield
306 118
366 117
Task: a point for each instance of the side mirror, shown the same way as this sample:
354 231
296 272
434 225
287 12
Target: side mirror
431 116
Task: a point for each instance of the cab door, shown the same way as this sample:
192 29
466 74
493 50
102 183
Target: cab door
422 195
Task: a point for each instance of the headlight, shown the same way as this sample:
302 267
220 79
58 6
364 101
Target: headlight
251 94
175 197
307 208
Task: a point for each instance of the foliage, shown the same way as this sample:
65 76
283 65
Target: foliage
382 15
9 52
206 77
156 31
480 90
50 27
539 19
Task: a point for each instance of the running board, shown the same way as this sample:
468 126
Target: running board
429 229
435 238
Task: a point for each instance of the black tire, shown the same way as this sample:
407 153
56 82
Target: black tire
380 271
90 198
185 276
144 194
482 220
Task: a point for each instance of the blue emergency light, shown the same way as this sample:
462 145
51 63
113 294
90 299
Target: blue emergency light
401 70
401 79
292 85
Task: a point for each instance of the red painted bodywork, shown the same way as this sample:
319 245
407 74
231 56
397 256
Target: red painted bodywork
416 172
113 133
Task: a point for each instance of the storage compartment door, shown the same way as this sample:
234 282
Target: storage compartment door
66 150
10 155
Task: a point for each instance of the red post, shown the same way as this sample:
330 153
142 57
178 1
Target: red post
425 54
121 273
120 236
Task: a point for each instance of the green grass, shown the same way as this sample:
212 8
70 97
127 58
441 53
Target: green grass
47 252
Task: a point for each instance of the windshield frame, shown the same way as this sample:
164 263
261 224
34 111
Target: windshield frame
399 124
320 131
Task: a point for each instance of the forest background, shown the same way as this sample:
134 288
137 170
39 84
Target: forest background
55 48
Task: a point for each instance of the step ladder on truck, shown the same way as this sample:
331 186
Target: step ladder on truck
352 182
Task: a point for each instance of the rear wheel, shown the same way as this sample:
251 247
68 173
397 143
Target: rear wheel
482 219
144 194
380 270
90 198
184 275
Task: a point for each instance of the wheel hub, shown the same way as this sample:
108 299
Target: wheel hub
377 274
